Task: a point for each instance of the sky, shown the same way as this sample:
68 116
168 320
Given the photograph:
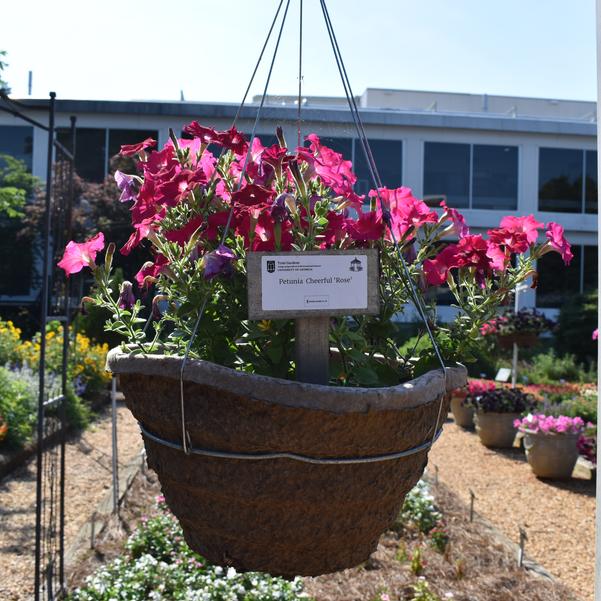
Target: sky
153 49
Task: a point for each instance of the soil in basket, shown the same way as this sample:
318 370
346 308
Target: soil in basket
476 567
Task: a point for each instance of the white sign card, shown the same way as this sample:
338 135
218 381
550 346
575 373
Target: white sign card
312 283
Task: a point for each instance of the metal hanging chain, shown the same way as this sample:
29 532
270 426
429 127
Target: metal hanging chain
378 184
185 433
300 73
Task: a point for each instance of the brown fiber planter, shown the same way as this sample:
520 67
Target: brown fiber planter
523 340
281 516
496 430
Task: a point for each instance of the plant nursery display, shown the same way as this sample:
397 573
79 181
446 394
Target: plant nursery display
551 443
265 472
522 327
495 413
461 401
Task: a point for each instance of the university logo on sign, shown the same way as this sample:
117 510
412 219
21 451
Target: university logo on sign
270 266
356 265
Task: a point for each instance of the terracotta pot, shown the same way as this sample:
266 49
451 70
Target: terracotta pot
464 416
523 340
551 455
282 516
496 430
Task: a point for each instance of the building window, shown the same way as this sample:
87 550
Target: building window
471 176
17 141
561 172
388 156
119 137
557 283
495 177
90 154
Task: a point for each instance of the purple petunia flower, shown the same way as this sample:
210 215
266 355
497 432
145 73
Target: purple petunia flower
218 262
126 183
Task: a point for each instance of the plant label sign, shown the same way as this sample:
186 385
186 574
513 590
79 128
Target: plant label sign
313 283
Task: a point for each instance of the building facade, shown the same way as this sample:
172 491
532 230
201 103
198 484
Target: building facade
488 156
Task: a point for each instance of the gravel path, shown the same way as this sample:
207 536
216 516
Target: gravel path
559 517
88 477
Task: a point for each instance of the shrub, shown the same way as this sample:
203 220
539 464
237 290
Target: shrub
10 339
18 408
548 368
577 320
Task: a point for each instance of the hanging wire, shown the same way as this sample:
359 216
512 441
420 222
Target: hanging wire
185 435
406 276
300 73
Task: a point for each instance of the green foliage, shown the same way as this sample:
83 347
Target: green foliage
549 368
3 84
584 406
18 408
422 592
17 185
158 564
439 538
577 320
416 565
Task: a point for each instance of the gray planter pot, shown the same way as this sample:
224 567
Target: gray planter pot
463 416
281 515
551 455
496 430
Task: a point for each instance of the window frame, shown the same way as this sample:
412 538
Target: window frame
470 174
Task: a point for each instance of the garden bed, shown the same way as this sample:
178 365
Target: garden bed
559 517
88 477
478 564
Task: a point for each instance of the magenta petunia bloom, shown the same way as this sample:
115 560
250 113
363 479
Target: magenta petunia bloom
127 185
253 196
558 242
460 227
437 269
514 241
205 134
128 150
183 234
527 225
596 334
368 226
80 255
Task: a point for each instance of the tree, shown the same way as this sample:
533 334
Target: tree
3 84
17 185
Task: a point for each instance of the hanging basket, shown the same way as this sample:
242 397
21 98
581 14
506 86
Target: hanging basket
522 339
345 459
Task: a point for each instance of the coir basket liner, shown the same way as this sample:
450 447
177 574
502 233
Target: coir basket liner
282 516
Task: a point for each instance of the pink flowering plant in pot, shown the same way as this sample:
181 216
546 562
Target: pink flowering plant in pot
551 443
199 205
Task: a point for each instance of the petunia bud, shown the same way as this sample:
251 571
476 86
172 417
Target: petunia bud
126 296
84 301
108 257
279 132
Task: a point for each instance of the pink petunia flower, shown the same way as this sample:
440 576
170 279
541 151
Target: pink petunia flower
368 226
596 334
80 255
128 150
558 242
459 227
527 225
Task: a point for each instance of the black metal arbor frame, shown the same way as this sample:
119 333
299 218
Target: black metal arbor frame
50 582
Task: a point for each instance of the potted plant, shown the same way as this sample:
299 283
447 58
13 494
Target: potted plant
265 472
495 413
522 328
551 443
462 400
